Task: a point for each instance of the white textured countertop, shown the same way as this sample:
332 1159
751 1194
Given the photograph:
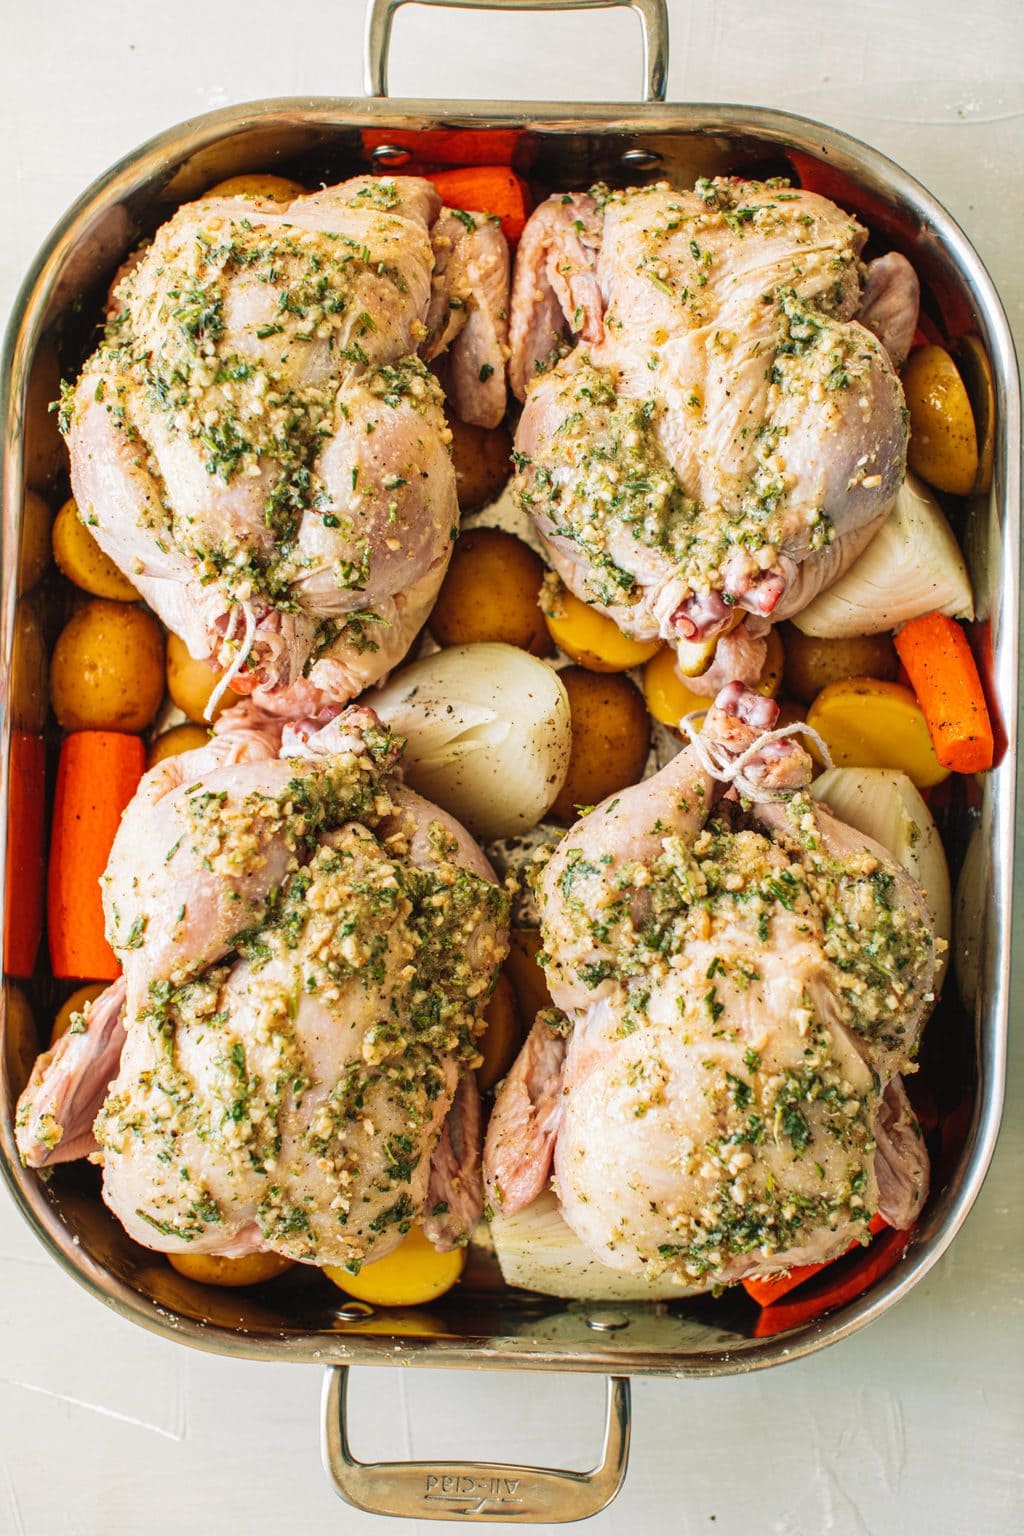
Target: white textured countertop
915 1425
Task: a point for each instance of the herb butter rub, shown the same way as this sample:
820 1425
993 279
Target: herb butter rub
712 428
307 948
742 982
257 441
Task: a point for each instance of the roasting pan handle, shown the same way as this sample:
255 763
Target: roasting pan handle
653 16
473 1490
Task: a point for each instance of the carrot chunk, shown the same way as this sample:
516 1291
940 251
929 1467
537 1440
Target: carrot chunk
852 1281
944 676
771 1287
98 773
26 865
487 189
446 146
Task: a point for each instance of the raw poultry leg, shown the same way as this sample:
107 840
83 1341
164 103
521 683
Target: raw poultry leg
298 1025
741 977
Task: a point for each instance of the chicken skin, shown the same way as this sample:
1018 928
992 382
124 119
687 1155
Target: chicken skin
741 980
286 1064
724 435
258 443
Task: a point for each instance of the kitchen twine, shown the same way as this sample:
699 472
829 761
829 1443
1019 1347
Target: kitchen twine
241 656
718 761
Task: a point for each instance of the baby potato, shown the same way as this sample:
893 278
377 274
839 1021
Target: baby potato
482 459
75 1004
190 683
412 1273
83 562
976 371
274 189
771 672
591 638
811 664
107 672
610 738
790 712
490 593
34 550
21 1044
180 738
44 448
210 1269
528 978
28 669
943 446
500 1040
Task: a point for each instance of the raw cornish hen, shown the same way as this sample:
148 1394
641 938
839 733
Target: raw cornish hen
742 980
728 430
307 947
257 441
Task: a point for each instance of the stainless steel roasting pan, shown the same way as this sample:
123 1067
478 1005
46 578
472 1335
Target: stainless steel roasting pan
482 1324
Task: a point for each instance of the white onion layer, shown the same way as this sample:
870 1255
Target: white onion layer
912 566
538 1250
883 804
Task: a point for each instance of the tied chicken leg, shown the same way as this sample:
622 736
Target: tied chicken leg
307 947
741 980
725 435
257 441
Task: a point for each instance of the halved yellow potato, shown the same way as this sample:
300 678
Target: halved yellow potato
210 1269
665 690
866 723
943 445
591 638
75 1004
669 697
412 1273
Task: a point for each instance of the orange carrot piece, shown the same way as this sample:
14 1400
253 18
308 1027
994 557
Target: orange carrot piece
26 860
945 679
98 773
772 1287
446 146
487 189
854 1280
